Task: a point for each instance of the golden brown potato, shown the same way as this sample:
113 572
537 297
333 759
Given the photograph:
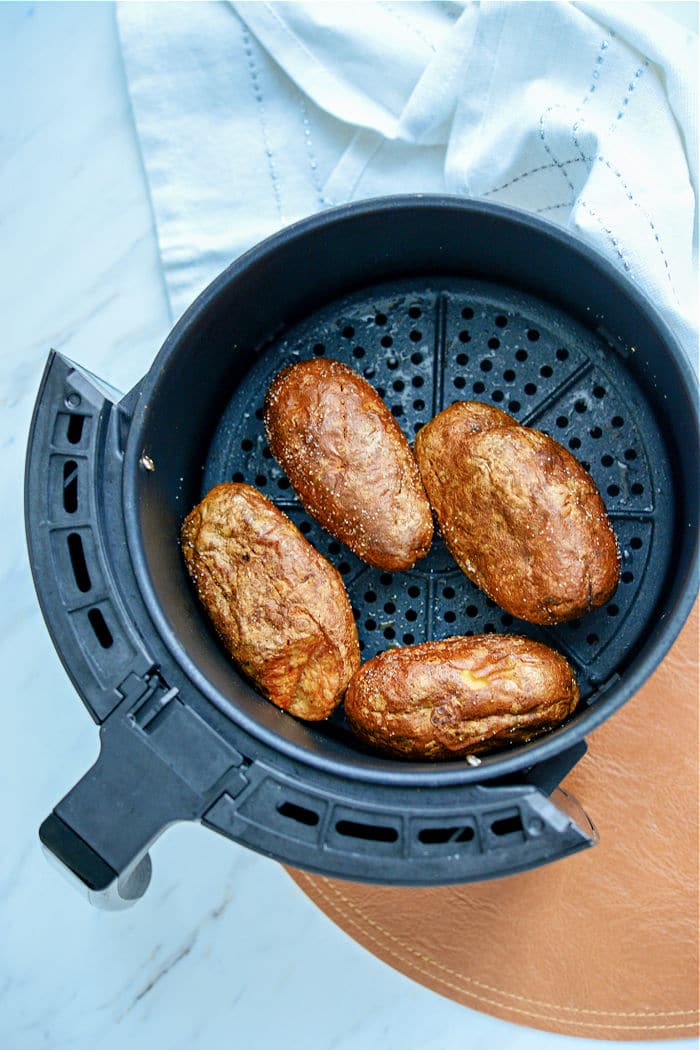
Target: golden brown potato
519 514
278 605
349 462
461 696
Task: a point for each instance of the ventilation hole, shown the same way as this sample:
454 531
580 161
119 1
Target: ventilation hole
356 613
70 486
489 628
348 331
362 645
509 375
507 620
373 832
319 350
533 335
630 454
77 560
344 568
389 607
386 578
414 312
369 373
419 405
580 406
261 480
370 596
599 392
380 389
617 422
507 825
413 591
467 313
468 634
415 336
371 624
283 483
607 460
448 592
627 577
478 388
238 477
305 527
472 611
464 336
585 464
562 422
389 633
417 381
562 354
595 432
497 395
460 382
637 489
380 319
437 836
396 410
486 365
501 321
417 427
298 813
411 615
246 444
575 443
494 343
387 341
613 609
513 406
592 639
530 389
417 358
100 628
408 639
462 359
521 355
450 617
635 543
545 371
75 428
359 351
613 490
266 453
334 548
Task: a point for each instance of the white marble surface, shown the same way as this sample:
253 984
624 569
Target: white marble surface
224 949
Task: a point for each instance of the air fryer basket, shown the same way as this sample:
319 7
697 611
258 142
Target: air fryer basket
432 300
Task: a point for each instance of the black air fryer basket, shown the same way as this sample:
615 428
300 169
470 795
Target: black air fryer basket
433 300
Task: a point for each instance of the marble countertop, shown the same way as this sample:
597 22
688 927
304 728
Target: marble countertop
224 949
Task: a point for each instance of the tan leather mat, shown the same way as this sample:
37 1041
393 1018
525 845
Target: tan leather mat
602 944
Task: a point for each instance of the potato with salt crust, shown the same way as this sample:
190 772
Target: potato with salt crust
349 462
518 513
278 605
460 696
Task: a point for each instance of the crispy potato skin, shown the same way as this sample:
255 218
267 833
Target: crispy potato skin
461 696
278 605
349 462
519 514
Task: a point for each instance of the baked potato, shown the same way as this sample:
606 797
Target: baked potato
278 605
460 696
519 514
349 462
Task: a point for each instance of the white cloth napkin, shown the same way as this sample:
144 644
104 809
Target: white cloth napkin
253 115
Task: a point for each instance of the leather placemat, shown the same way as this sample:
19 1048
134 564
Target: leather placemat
602 944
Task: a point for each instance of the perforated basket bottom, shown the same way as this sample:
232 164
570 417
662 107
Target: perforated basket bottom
424 346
